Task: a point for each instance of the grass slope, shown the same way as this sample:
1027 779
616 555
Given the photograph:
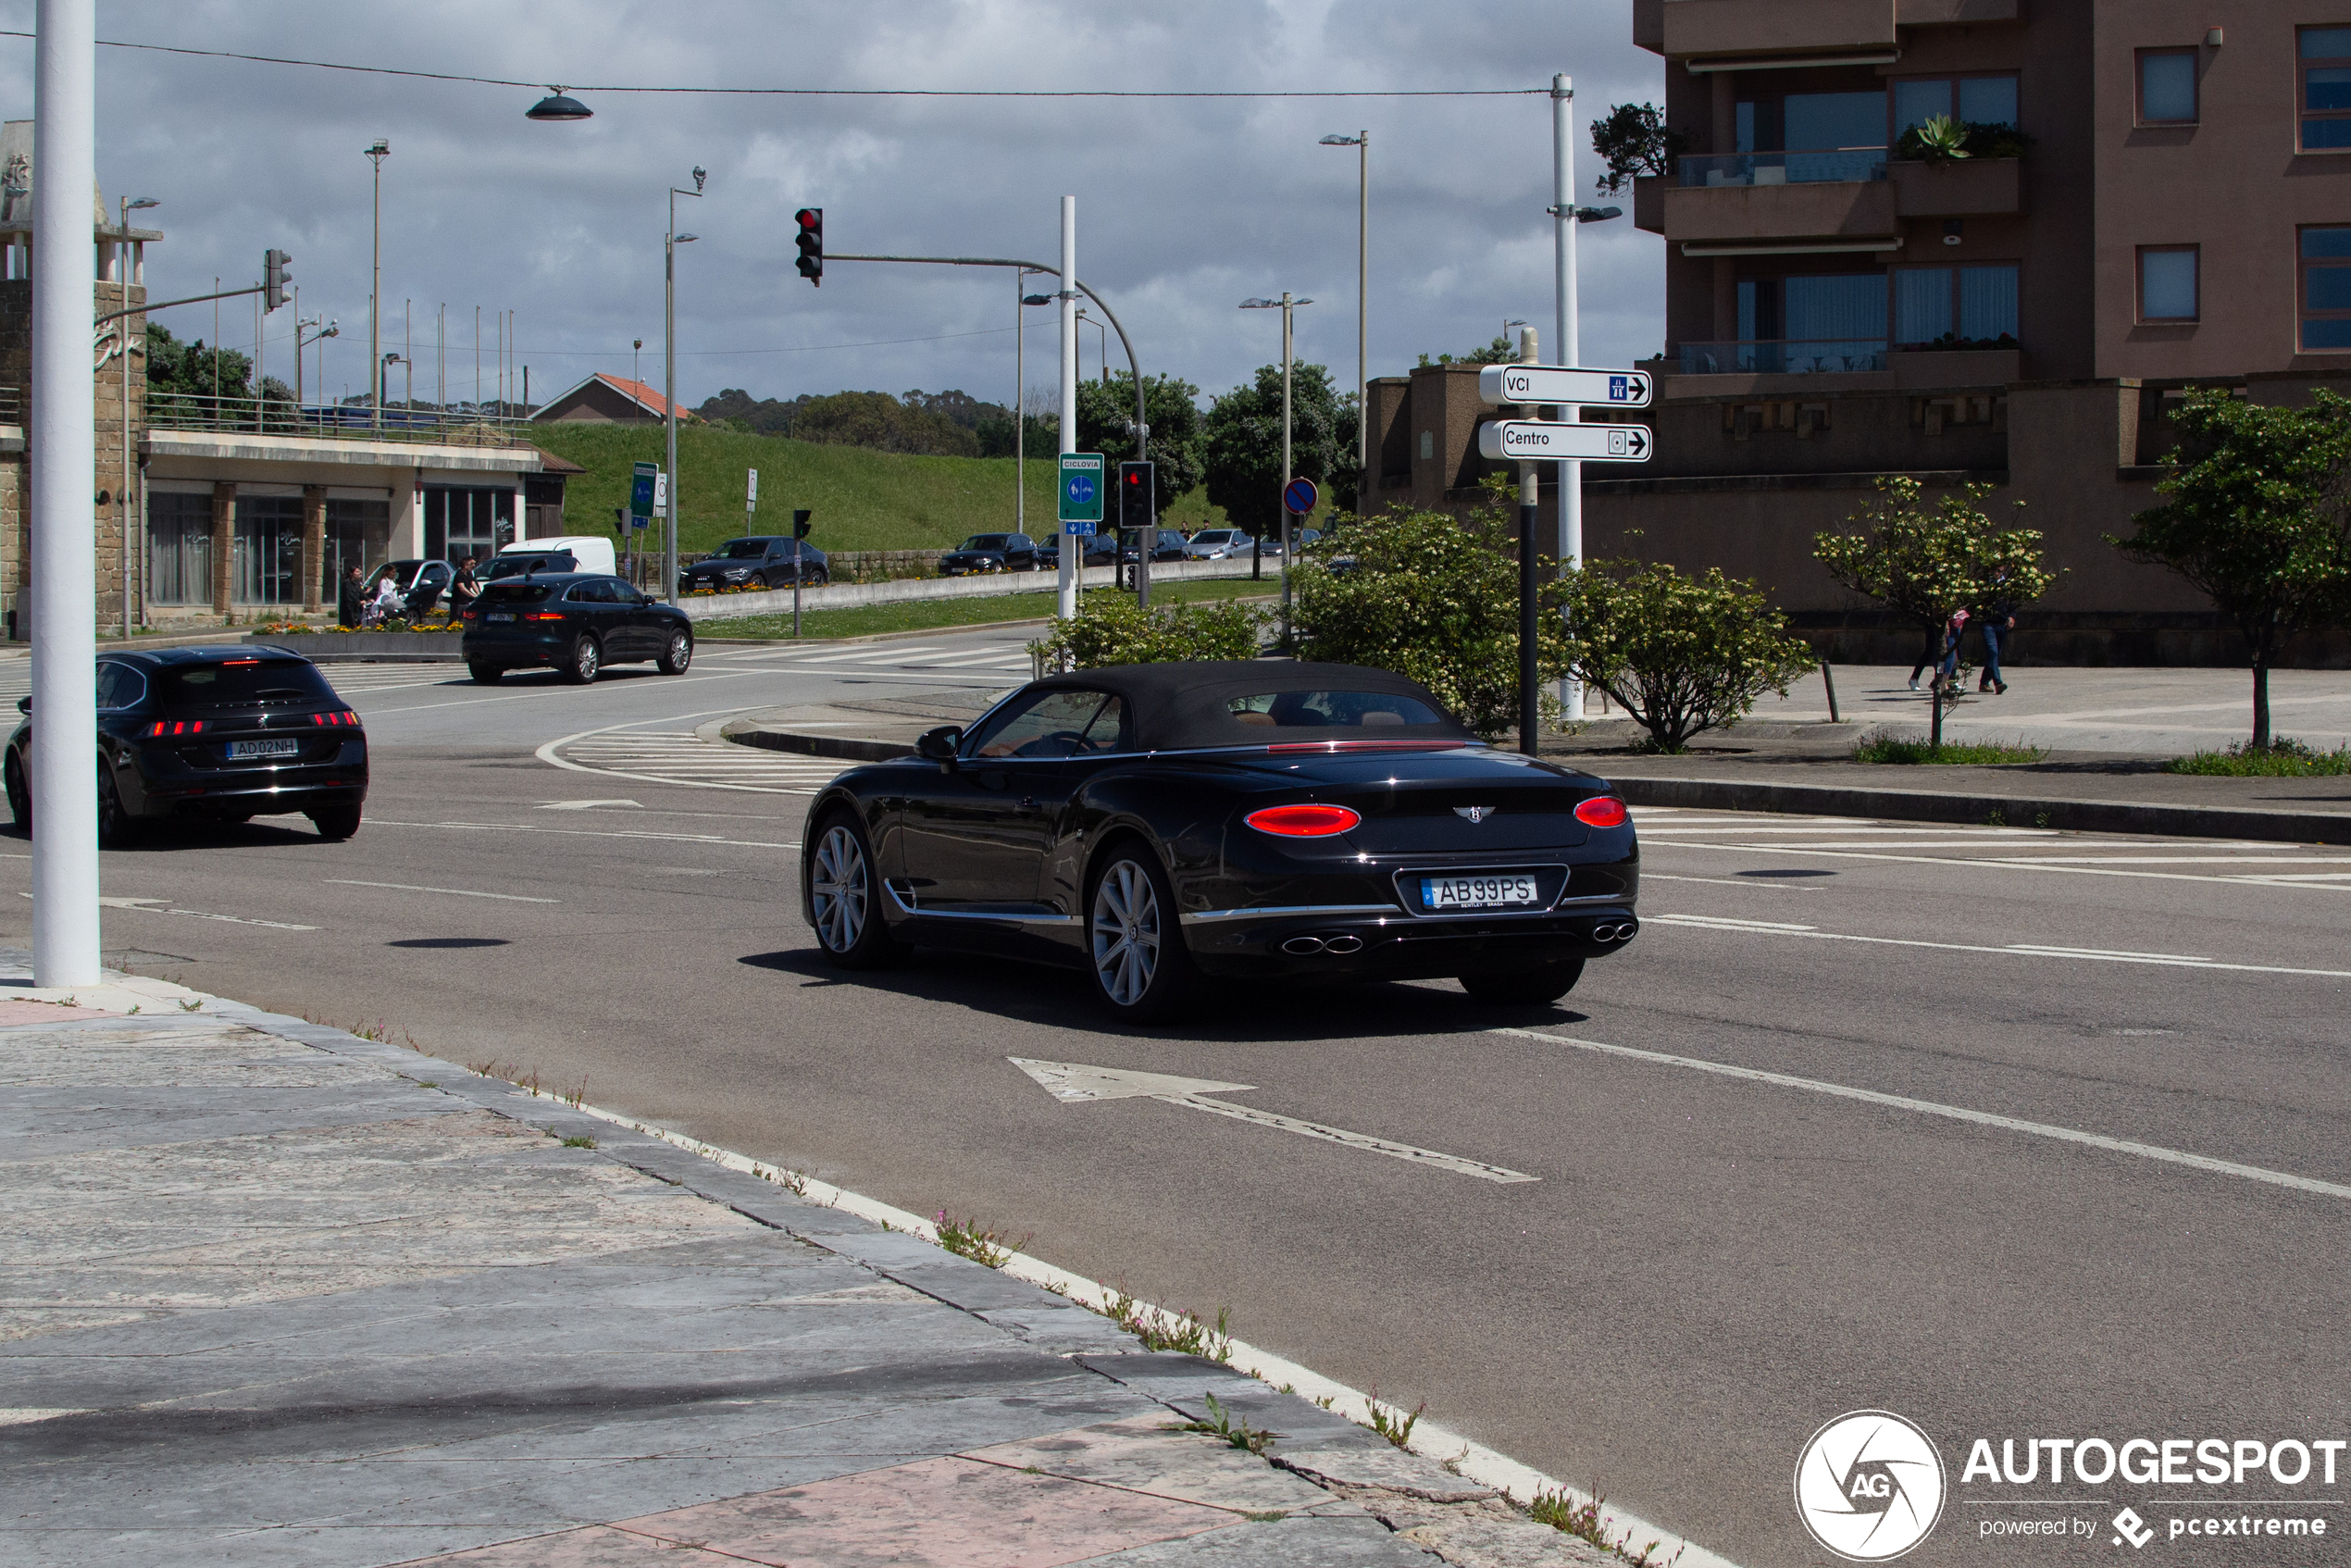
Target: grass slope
919 614
862 500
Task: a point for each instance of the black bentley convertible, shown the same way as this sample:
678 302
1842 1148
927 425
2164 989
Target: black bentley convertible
1156 824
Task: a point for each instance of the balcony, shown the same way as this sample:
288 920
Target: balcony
1785 356
1965 187
1749 199
458 426
1702 28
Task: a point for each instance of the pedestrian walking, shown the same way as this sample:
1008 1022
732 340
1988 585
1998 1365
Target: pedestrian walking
1993 619
463 588
1948 673
350 602
1930 654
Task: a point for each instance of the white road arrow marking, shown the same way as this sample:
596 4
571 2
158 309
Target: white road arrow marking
585 805
1076 1082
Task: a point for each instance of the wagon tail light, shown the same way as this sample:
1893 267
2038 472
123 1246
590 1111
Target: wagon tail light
175 726
1601 811
1303 821
342 718
543 614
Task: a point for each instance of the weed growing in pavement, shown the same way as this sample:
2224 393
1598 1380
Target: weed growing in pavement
134 1012
1222 1422
1271 1516
1585 1521
1996 817
1911 749
579 1141
428 1082
577 1095
2041 819
791 1181
2283 757
1186 1332
195 1006
966 1239
1397 1428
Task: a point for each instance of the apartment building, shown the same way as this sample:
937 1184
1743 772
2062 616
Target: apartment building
2159 197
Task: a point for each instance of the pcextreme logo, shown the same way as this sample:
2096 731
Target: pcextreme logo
1869 1485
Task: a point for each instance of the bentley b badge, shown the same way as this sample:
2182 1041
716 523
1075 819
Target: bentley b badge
1475 813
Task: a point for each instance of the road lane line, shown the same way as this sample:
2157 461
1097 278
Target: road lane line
2012 862
579 833
2014 949
1648 875
1955 1112
457 892
148 906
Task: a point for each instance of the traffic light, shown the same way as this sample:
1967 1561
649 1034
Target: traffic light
275 279
800 523
812 243
1135 495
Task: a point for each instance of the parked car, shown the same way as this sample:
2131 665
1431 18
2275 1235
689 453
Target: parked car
1099 552
1310 821
218 734
589 551
574 622
1169 548
758 561
990 553
1215 544
419 583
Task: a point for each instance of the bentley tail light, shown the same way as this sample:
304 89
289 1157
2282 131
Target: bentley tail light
1303 821
1601 811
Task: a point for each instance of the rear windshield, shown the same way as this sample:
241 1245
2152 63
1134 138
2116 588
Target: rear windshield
515 593
985 542
523 565
245 683
1328 710
743 550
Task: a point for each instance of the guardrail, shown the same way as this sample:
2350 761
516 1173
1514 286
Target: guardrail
1784 356
458 426
1827 164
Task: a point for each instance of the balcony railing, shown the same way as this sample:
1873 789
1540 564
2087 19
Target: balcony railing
1784 169
459 425
1785 356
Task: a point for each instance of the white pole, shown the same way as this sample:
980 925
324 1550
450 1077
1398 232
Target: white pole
1020 412
1570 481
1073 546
64 587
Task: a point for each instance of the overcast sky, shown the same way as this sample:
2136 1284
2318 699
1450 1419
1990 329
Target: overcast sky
1185 207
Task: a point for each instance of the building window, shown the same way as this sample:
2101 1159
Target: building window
268 550
1955 306
2326 88
2167 283
2326 291
179 548
1982 100
358 534
2167 86
464 520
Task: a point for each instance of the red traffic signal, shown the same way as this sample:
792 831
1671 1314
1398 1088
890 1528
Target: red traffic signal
812 243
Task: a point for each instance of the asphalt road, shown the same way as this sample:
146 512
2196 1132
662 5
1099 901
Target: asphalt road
1725 1247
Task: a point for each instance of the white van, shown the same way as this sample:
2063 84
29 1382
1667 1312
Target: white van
590 553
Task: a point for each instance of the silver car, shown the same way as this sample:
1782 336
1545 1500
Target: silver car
1215 544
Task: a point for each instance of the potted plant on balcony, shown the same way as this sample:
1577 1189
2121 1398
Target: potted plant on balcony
1944 141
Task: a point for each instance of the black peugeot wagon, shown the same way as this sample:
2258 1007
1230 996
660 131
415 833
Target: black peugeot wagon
216 734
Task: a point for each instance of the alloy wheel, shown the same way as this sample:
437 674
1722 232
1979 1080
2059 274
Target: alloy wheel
586 659
1126 933
836 886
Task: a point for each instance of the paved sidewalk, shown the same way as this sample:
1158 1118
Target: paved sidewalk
277 1295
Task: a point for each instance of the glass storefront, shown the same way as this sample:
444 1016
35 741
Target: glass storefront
268 553
358 533
463 520
178 547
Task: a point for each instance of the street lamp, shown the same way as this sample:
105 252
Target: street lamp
376 154
122 495
1285 305
383 376
1509 323
321 330
558 105
1020 401
1105 338
670 241
1362 142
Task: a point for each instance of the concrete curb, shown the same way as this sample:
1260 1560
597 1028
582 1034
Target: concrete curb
2015 811
1818 799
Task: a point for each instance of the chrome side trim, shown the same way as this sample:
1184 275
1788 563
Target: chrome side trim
905 908
1272 912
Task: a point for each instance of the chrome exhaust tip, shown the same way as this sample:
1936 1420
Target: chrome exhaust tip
1301 946
1344 945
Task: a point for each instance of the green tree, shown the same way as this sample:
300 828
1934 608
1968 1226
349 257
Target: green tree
2258 515
1502 351
1634 140
1242 445
1110 629
880 421
1682 654
190 368
1929 564
1106 423
1429 596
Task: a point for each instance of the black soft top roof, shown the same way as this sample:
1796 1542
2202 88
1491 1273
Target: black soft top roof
1184 706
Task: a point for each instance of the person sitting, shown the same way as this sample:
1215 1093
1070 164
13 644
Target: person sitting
387 601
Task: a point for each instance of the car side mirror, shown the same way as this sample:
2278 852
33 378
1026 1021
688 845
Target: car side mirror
939 745
24 705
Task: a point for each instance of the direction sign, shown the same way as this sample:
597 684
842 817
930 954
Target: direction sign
1558 385
641 491
1300 496
1083 474
1541 440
